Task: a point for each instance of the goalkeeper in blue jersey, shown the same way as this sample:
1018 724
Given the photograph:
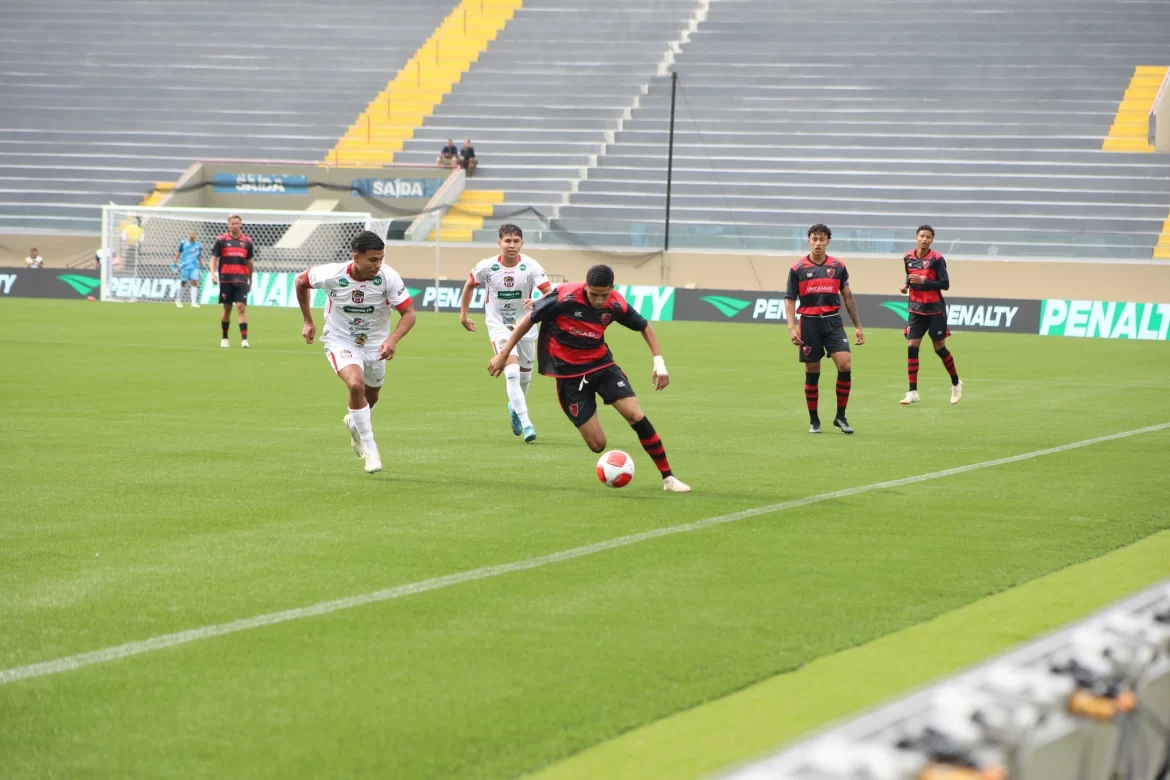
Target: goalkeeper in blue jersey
189 262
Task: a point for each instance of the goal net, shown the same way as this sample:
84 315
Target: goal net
139 245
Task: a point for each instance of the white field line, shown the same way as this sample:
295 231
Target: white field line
128 649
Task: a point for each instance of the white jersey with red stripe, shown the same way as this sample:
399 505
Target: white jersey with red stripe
506 288
358 312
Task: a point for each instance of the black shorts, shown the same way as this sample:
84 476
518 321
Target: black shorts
578 395
233 293
821 335
921 324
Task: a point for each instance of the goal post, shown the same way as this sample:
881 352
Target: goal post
139 244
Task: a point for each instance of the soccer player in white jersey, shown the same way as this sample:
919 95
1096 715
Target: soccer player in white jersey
357 336
509 279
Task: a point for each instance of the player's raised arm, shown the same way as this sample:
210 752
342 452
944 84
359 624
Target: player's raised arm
302 287
465 304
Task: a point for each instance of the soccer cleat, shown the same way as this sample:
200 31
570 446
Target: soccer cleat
529 434
244 344
517 428
224 343
355 440
814 426
843 424
956 393
179 304
911 398
373 461
673 484
195 304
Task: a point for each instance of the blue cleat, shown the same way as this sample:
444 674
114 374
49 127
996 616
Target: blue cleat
517 429
529 434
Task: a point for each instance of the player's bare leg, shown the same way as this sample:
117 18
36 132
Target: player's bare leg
225 322
944 354
844 362
517 401
812 378
359 415
593 434
242 310
651 442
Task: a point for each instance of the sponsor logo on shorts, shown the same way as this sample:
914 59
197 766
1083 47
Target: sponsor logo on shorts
621 384
357 296
807 350
358 309
573 409
345 353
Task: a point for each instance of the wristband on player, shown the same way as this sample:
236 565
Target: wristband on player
659 365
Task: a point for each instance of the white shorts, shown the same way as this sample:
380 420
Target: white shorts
373 367
525 351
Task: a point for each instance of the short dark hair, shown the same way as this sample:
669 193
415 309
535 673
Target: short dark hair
927 228
820 227
366 241
599 276
508 229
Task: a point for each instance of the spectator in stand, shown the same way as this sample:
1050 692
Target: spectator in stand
468 162
34 259
448 155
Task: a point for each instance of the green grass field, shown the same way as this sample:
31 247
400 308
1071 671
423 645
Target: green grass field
155 483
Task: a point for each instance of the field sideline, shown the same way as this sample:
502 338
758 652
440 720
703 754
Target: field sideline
156 484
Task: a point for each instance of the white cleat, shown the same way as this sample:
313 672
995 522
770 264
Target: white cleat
675 485
956 393
244 344
911 398
373 462
224 343
179 304
195 305
355 440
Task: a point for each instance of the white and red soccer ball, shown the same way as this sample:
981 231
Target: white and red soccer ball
615 469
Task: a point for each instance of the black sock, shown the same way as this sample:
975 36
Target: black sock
844 385
811 393
223 326
653 445
912 367
244 331
948 363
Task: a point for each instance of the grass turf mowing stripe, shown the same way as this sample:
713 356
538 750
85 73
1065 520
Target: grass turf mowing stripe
129 649
757 719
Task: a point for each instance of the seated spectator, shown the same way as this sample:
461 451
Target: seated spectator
448 155
468 162
34 259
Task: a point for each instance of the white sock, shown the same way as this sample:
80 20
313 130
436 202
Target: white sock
194 294
361 423
515 394
525 381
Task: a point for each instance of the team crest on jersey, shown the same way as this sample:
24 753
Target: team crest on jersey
925 264
357 296
616 306
573 409
509 281
606 318
830 272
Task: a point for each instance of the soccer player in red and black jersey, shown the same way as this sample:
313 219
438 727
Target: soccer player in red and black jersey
231 269
572 350
821 283
926 278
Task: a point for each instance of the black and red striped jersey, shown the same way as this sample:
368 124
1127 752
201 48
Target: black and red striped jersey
817 286
572 332
926 298
233 254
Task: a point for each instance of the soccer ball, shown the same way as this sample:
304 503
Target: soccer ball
615 469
